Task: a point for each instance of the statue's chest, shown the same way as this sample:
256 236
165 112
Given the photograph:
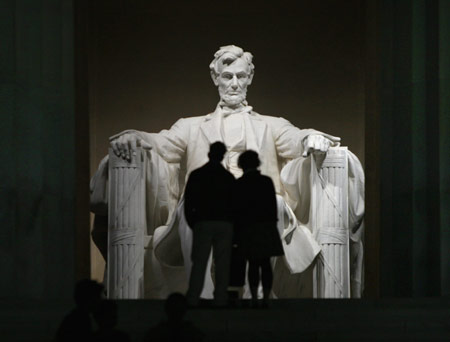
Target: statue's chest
234 132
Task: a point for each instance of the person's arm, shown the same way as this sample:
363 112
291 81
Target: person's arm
272 209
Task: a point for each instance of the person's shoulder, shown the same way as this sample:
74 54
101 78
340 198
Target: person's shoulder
267 182
224 170
267 179
202 169
197 173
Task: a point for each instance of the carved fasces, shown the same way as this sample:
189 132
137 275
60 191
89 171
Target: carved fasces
126 226
329 174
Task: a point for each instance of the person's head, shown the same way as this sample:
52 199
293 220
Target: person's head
248 160
175 306
87 294
232 72
216 151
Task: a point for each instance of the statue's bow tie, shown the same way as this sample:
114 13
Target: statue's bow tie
227 111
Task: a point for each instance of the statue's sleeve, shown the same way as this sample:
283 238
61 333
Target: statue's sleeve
161 169
171 143
289 139
170 146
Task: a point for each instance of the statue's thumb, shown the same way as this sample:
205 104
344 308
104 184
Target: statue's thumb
145 145
335 141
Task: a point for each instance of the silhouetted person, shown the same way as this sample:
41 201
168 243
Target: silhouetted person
105 315
77 325
175 328
208 210
256 224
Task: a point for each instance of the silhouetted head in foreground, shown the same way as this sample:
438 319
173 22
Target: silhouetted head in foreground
248 160
216 151
175 307
88 294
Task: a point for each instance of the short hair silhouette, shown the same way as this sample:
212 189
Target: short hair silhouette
248 160
217 151
175 306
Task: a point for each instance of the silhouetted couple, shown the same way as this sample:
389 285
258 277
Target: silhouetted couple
223 211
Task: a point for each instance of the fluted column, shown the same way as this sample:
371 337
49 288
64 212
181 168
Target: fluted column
330 223
126 224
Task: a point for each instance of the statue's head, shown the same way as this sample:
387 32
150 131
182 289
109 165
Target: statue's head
232 72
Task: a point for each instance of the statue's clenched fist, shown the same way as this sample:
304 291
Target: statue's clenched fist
316 143
125 145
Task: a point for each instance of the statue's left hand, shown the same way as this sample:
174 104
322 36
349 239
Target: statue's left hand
316 143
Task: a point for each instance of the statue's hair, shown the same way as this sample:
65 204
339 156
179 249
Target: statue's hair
227 55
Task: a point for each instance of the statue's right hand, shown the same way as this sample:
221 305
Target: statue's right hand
125 145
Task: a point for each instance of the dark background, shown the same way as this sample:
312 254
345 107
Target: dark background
151 63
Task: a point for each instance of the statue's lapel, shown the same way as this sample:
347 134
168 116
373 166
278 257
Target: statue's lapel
212 127
255 130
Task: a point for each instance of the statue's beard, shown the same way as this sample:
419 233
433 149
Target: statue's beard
233 100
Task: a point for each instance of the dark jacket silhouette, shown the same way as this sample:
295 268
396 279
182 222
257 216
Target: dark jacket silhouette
255 209
77 325
105 315
175 328
208 194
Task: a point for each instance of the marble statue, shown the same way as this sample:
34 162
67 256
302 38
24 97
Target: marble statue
319 185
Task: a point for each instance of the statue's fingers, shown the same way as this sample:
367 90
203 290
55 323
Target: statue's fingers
311 143
133 147
308 146
115 148
317 144
124 148
121 148
145 145
323 144
334 141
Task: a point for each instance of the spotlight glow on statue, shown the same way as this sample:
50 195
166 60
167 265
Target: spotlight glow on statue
296 160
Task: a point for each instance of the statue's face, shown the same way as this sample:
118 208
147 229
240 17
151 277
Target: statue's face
233 81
